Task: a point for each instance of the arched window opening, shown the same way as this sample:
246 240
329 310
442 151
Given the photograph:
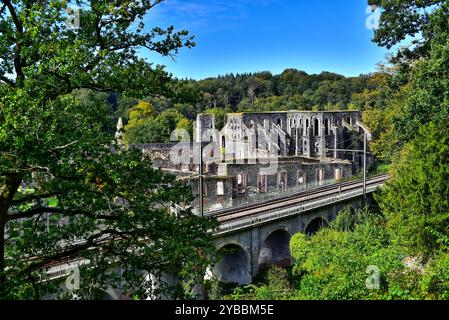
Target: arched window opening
279 145
266 124
317 127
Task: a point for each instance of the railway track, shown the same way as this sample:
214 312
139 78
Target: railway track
276 204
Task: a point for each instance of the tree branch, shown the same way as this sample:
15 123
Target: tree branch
94 241
95 88
31 198
18 50
13 14
66 145
65 79
7 81
8 190
70 213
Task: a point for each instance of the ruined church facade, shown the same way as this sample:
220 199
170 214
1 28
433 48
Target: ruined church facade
309 149
320 134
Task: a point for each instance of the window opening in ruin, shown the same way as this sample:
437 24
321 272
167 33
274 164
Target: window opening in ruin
262 183
282 181
241 183
326 127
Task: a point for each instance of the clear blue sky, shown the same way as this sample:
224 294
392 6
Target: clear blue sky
258 35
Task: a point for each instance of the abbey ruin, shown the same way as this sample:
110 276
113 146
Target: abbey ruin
256 155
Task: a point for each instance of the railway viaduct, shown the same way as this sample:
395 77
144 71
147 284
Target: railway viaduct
257 235
254 237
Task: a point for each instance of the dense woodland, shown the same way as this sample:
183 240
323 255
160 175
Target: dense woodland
152 119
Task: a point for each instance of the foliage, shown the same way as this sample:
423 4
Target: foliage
298 250
277 287
67 192
256 92
140 113
334 263
146 126
289 90
405 19
429 98
416 197
151 131
349 218
381 103
339 262
220 116
436 279
419 84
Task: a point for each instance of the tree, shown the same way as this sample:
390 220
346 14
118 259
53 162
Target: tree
401 20
67 192
429 98
142 112
150 131
220 116
381 107
333 264
356 258
415 199
263 91
186 125
145 126
376 93
187 110
276 287
418 86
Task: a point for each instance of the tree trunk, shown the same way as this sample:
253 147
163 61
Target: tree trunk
8 190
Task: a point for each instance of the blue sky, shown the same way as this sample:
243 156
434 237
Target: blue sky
258 35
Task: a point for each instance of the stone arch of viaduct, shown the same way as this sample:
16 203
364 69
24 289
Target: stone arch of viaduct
247 252
250 251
